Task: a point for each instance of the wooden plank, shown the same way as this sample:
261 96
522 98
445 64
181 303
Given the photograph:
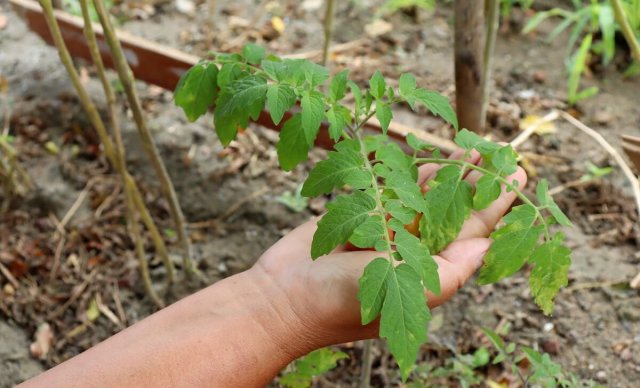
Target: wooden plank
163 66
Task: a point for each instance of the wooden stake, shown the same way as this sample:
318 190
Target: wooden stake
469 63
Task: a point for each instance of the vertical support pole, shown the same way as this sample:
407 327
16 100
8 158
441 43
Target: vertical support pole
470 41
328 30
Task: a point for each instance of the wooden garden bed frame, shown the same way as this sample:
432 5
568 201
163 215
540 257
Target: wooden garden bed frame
163 66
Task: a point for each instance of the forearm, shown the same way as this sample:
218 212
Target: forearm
238 332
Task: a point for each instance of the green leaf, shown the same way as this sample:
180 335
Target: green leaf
295 380
280 98
228 73
314 74
535 21
545 371
552 261
399 211
392 6
545 199
197 90
313 364
312 104
469 141
449 201
295 72
394 157
407 85
343 216
278 70
368 99
437 104
404 316
481 357
488 189
228 58
418 144
292 147
418 257
253 53
338 88
374 143
382 246
395 224
505 160
577 66
373 289
495 339
608 28
343 166
512 244
357 96
377 85
407 189
369 232
242 99
384 116
337 116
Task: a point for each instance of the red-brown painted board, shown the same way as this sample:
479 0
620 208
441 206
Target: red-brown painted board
163 66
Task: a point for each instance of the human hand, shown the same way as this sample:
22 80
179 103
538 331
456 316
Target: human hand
323 293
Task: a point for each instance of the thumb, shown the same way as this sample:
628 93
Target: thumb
456 264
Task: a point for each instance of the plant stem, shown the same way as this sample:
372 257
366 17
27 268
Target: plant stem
126 77
492 19
627 31
15 180
98 124
510 186
136 235
120 156
365 377
12 158
328 29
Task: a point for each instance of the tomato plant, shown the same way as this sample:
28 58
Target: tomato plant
384 197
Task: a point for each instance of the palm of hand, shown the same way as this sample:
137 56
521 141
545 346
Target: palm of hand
322 293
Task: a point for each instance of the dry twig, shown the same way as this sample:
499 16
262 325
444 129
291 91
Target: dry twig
121 160
98 124
633 180
332 49
7 274
531 129
126 78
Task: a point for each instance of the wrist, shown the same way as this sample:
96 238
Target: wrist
270 310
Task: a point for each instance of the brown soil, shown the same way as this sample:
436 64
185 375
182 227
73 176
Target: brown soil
595 329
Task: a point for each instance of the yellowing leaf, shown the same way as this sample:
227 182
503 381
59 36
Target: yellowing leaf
492 384
93 312
552 260
278 24
542 128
